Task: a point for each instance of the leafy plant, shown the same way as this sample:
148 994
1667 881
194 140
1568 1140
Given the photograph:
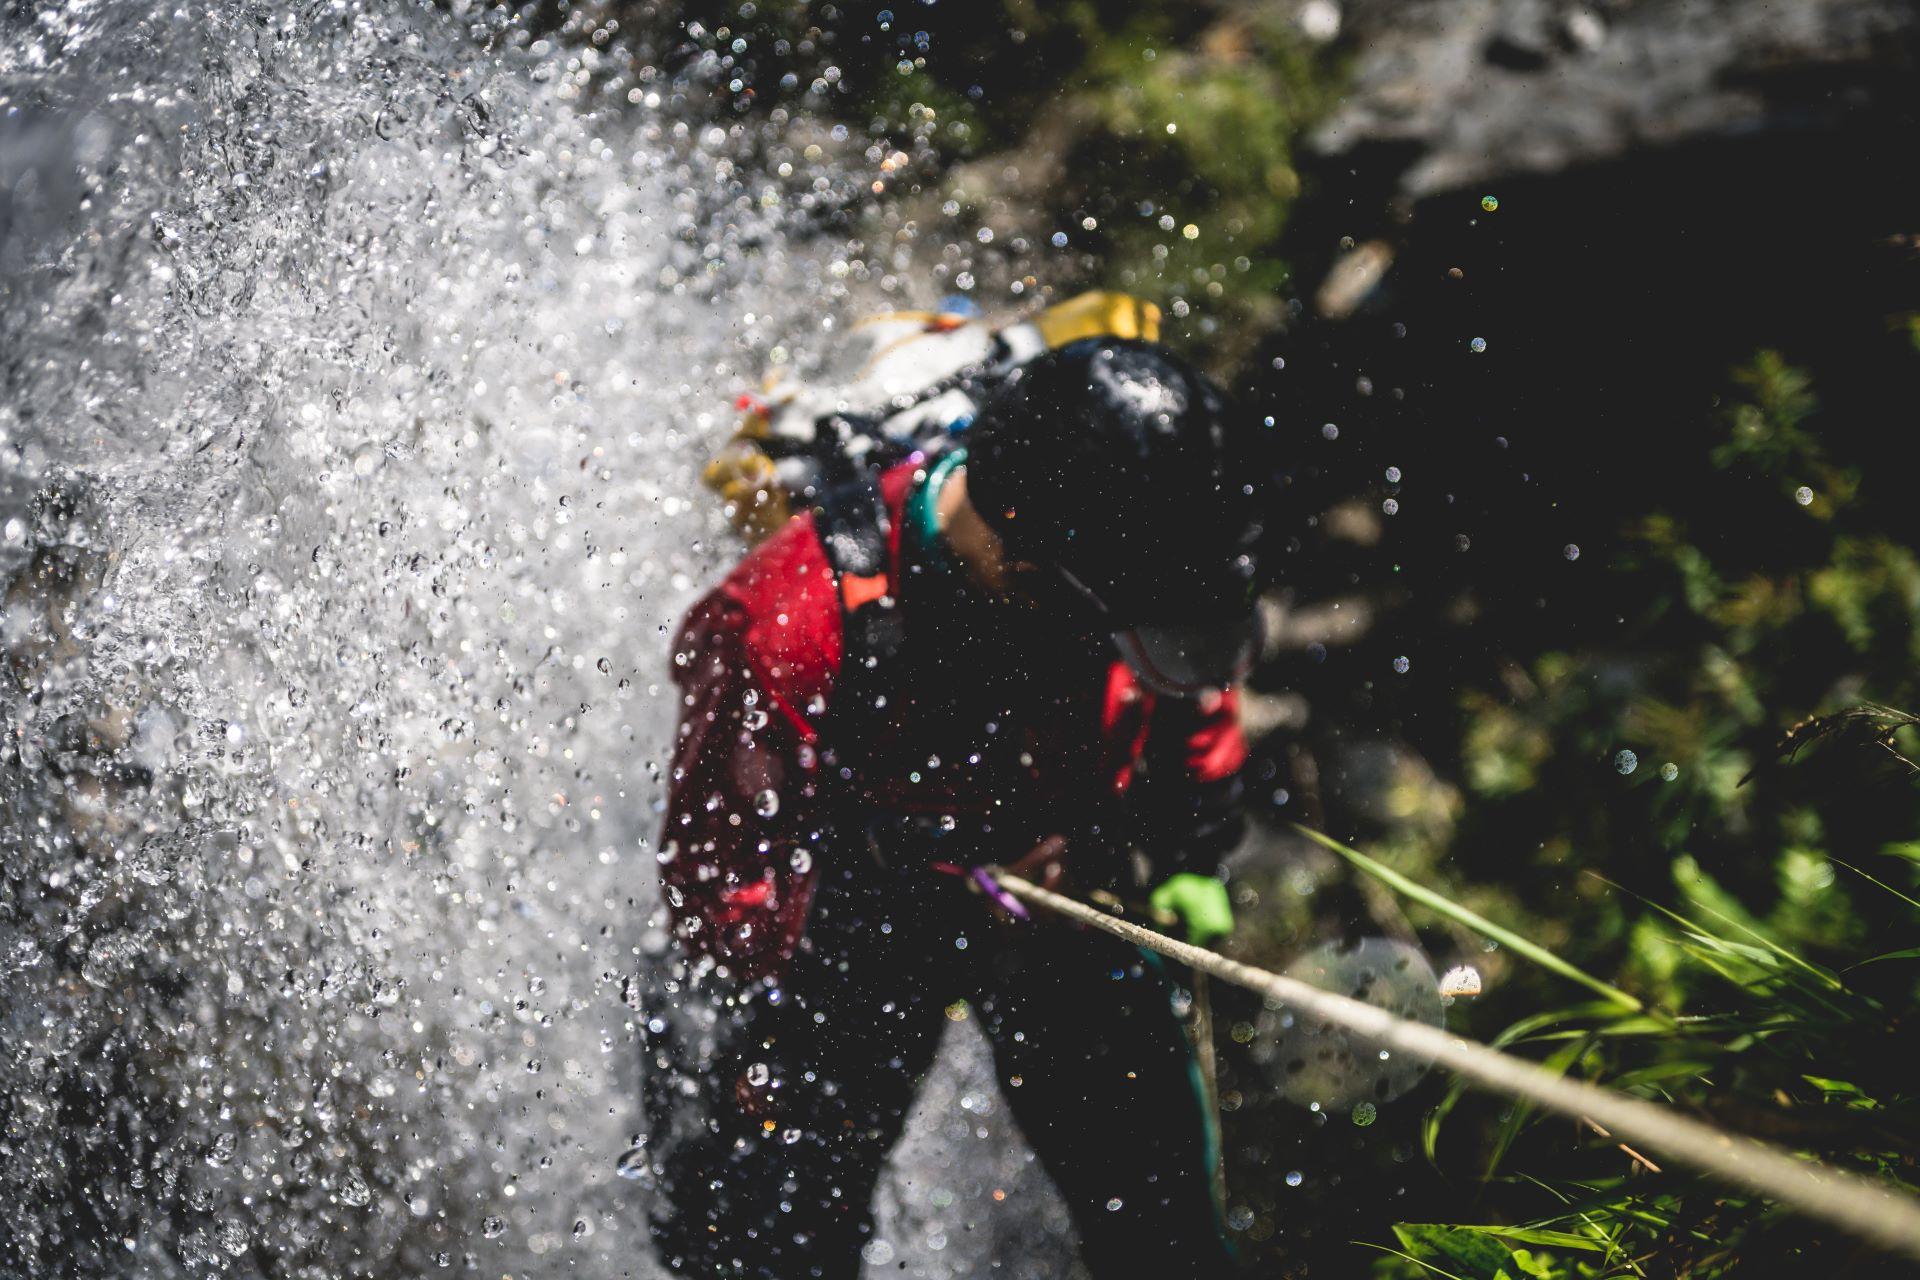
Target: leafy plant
1777 1046
1713 814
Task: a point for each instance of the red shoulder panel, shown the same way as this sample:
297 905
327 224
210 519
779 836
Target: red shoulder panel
784 586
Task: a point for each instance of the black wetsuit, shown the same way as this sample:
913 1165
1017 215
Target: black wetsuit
1088 1054
987 710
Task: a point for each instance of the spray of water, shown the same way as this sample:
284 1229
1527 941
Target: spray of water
354 374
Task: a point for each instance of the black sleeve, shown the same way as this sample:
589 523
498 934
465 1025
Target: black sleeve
1185 807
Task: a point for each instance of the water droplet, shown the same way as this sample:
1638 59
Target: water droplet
1310 1061
1461 980
1403 664
1295 1178
1625 761
1363 1113
759 1074
1477 346
354 1189
1113 1205
1803 495
1490 203
632 1164
767 803
1669 771
493 1227
1571 551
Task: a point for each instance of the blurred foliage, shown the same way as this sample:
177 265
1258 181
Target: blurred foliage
1780 1048
1746 870
1150 145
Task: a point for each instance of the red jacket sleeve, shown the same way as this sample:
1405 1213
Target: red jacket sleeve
736 858
1187 807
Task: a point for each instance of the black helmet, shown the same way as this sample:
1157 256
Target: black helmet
1124 469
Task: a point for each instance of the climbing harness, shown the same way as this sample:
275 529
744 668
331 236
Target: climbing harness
856 533
1871 1210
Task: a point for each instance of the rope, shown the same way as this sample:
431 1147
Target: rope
1210 1082
1867 1208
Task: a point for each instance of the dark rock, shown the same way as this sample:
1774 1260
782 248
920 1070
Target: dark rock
1461 91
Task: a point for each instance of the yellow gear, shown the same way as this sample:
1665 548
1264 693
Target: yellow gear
1098 315
742 474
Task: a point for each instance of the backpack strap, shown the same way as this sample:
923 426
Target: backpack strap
854 528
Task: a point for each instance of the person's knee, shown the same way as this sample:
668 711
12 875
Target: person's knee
766 1208
709 1226
820 1245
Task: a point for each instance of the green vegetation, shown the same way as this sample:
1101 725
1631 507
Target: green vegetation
1152 142
1773 913
1769 1025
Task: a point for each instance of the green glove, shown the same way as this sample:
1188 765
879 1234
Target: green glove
1201 903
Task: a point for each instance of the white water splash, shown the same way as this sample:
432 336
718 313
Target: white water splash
355 383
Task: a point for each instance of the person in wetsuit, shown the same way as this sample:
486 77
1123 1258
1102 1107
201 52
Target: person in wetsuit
1019 654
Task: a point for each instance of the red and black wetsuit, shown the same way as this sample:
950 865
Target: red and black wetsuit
810 802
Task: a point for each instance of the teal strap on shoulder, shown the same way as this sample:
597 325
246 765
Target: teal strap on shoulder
923 510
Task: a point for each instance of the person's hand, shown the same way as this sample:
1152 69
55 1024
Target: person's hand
1045 864
1199 902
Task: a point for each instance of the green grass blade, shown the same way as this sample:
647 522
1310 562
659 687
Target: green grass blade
1473 920
1659 1073
1559 1063
1608 1241
1912 902
1430 1126
1537 1235
1368 1244
1713 942
1825 976
1463 1247
1911 953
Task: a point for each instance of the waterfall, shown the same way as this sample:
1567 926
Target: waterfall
358 363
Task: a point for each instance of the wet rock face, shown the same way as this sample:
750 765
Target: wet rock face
1470 89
